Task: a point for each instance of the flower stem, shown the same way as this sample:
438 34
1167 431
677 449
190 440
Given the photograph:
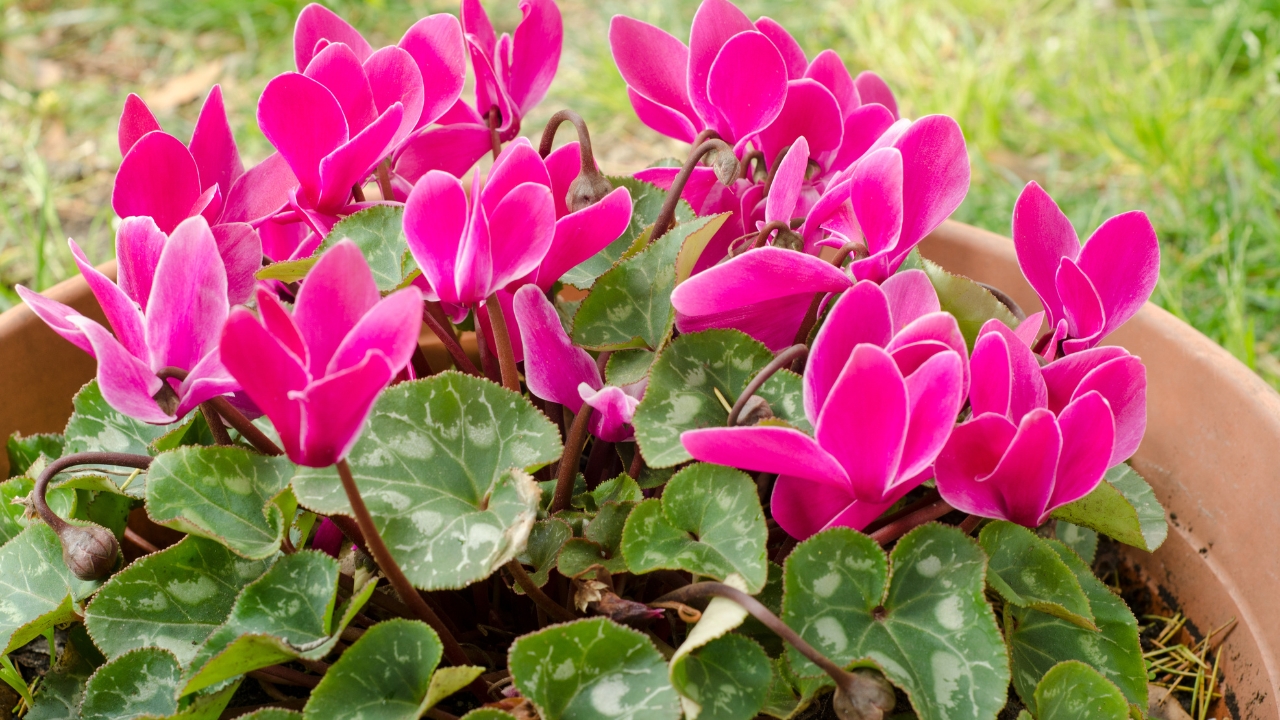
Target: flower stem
214 421
491 369
495 141
590 187
131 460
450 343
526 583
780 361
773 169
89 551
357 192
247 430
637 464
384 180
569 460
381 555
668 213
502 338
912 520
769 228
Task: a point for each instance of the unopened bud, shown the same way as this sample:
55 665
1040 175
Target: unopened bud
89 551
623 611
864 695
586 190
754 410
166 398
789 240
726 165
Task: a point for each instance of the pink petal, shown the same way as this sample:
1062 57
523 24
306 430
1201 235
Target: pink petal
810 110
924 337
188 302
266 371
521 229
580 235
563 165
713 24
792 53
437 47
936 392
828 69
553 366
280 324
126 382
316 23
859 514
337 292
1028 390
1029 329
661 118
517 163
935 168
475 22
394 78
1081 305
489 92
260 191
992 385
390 327
214 147
1122 259
473 274
872 89
451 148
435 218
138 246
911 296
241 251
747 83
765 448
703 191
121 312
352 163
862 128
136 120
1064 375
334 409
1122 382
864 422
832 204
876 193
785 190
1025 476
614 410
535 53
57 316
208 379
861 315
970 456
304 122
1088 434
208 205
505 299
804 507
328 539
159 179
1042 237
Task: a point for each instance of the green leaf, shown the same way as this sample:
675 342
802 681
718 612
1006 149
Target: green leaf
37 591
287 271
628 366
930 630
62 690
23 450
970 303
708 522
173 599
272 714
13 516
1123 507
194 431
726 679
1075 691
770 597
379 233
1082 540
96 427
593 669
682 391
545 540
1027 572
600 544
442 466
222 493
104 508
140 682
486 713
386 674
630 305
284 615
1038 641
618 489
449 680
646 202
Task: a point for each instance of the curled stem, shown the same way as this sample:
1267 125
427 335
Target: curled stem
90 551
502 338
548 606
747 157
857 248
781 360
569 460
450 343
668 213
590 186
769 228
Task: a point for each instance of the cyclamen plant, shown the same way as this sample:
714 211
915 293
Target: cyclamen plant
728 445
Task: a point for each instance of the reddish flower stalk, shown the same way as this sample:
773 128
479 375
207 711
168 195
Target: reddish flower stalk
896 529
569 460
502 338
590 187
668 213
449 341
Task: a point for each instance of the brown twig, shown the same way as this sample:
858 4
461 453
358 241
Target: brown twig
545 603
781 360
502 338
569 460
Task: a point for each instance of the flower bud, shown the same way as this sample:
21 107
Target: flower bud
754 410
167 398
623 611
864 695
789 240
89 551
726 165
586 190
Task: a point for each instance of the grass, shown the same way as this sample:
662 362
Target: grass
1169 106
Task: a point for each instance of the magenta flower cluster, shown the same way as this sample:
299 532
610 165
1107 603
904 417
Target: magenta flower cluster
1019 423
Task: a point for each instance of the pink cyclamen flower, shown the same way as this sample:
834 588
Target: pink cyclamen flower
558 371
469 248
1040 437
882 387
1089 291
317 371
513 73
166 312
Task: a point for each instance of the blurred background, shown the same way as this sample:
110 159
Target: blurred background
1168 106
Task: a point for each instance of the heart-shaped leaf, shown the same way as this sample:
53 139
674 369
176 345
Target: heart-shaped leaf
62 690
1027 572
618 489
286 614
628 366
379 233
545 540
37 591
708 521
442 464
23 450
591 670
13 515
222 493
173 599
600 544
1072 690
683 386
930 629
630 305
726 679
387 674
1083 540
140 682
96 427
1123 507
1038 641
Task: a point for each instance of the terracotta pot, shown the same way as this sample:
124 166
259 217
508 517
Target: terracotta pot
1212 453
